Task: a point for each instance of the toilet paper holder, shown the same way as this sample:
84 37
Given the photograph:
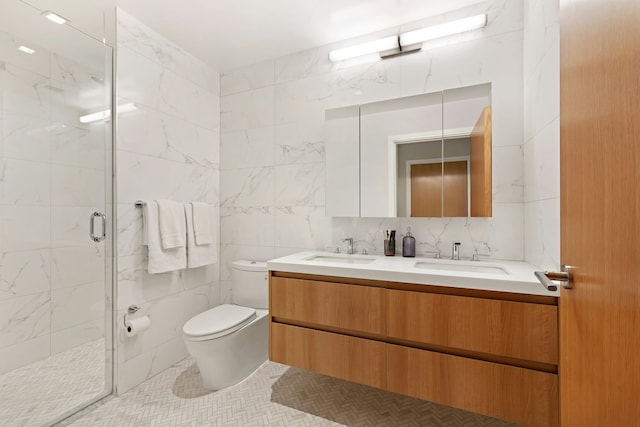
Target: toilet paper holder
132 309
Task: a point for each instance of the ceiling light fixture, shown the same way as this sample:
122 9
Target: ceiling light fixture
410 41
26 49
106 114
54 17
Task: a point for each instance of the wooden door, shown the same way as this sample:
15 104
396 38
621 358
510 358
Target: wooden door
600 212
426 190
438 186
454 187
480 168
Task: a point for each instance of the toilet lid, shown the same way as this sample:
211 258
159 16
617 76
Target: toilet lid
219 321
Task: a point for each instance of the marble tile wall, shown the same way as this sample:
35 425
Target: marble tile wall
167 149
542 133
52 176
272 144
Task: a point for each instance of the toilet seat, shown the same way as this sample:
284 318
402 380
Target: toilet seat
218 322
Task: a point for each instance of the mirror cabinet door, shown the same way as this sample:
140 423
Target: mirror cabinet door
419 156
467 151
342 159
384 127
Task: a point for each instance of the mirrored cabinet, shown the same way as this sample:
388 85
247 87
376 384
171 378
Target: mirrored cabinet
420 156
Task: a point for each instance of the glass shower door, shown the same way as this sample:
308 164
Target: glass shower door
55 210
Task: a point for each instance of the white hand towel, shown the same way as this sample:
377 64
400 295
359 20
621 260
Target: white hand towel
202 224
160 260
197 255
172 224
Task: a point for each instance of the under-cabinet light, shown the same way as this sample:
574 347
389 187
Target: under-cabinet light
54 17
409 41
26 49
106 114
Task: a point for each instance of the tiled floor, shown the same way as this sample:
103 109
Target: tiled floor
275 395
39 393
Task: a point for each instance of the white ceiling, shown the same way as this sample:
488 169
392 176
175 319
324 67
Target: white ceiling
233 33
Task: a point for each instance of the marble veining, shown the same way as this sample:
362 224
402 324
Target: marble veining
24 273
247 187
52 175
247 225
24 318
141 39
252 77
300 143
168 149
300 184
247 148
542 133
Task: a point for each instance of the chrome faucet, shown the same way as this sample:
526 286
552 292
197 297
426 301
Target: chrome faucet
436 254
349 241
455 251
476 256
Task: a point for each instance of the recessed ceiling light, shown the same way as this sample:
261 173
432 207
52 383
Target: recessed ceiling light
26 49
54 17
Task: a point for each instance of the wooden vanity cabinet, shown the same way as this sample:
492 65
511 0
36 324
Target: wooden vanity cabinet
510 329
354 359
492 353
331 305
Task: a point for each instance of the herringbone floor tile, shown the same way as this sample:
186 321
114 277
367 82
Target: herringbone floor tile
275 395
45 390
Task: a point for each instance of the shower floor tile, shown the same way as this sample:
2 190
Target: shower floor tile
275 395
38 393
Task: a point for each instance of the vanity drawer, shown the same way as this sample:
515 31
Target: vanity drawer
335 305
340 356
515 394
508 329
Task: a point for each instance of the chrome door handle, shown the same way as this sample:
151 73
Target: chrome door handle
92 222
565 276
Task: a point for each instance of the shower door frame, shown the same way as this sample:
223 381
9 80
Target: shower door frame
110 244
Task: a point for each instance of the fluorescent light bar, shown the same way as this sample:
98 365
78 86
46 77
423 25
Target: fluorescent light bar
54 17
443 30
26 49
375 46
106 114
410 38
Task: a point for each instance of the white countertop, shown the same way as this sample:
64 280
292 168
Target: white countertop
501 276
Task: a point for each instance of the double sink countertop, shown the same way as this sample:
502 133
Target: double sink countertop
493 275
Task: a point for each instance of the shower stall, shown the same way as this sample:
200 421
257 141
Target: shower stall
56 204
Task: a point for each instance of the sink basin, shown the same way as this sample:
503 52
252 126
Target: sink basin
467 267
347 259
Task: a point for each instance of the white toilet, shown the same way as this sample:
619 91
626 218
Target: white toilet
230 341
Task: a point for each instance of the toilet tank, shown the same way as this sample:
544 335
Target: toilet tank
250 283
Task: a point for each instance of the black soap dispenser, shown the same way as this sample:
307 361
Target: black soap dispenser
409 244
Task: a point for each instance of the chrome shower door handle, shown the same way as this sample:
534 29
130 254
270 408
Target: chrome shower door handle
565 277
92 226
